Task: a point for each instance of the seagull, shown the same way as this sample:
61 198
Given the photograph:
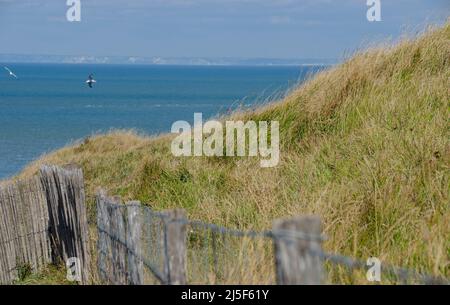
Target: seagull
10 72
91 80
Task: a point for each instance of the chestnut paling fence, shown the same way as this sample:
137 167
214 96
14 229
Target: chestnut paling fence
43 220
137 245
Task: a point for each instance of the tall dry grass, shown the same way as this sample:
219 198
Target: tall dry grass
364 144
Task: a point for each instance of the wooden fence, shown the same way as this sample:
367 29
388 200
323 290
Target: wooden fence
137 245
130 239
43 220
24 235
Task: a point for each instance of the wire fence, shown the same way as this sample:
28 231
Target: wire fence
217 255
158 248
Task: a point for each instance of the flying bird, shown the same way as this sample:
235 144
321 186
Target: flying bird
90 80
10 72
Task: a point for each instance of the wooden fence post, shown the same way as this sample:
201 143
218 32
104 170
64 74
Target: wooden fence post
295 259
175 243
134 244
66 202
117 217
102 237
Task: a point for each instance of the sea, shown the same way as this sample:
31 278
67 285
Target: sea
49 105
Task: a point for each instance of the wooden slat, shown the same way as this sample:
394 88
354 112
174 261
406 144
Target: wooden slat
176 234
65 196
25 222
134 243
295 261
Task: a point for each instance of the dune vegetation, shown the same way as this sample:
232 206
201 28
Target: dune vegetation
364 144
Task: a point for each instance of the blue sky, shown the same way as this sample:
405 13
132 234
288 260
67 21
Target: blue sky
208 28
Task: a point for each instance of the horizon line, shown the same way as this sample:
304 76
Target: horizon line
161 60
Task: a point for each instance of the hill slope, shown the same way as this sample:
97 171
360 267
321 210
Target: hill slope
365 145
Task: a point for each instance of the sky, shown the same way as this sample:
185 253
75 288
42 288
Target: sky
209 28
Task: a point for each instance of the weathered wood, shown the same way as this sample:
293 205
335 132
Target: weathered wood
134 243
5 248
34 212
121 262
5 238
296 240
103 242
65 197
175 246
23 228
114 253
119 249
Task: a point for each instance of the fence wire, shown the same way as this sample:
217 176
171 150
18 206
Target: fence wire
389 273
154 247
215 254
114 241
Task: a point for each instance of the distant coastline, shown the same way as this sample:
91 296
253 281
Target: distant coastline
194 61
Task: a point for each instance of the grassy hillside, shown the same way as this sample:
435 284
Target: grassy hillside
365 145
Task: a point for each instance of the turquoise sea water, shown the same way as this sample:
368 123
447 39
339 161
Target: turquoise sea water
50 105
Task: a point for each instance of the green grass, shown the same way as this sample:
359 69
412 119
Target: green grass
50 275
